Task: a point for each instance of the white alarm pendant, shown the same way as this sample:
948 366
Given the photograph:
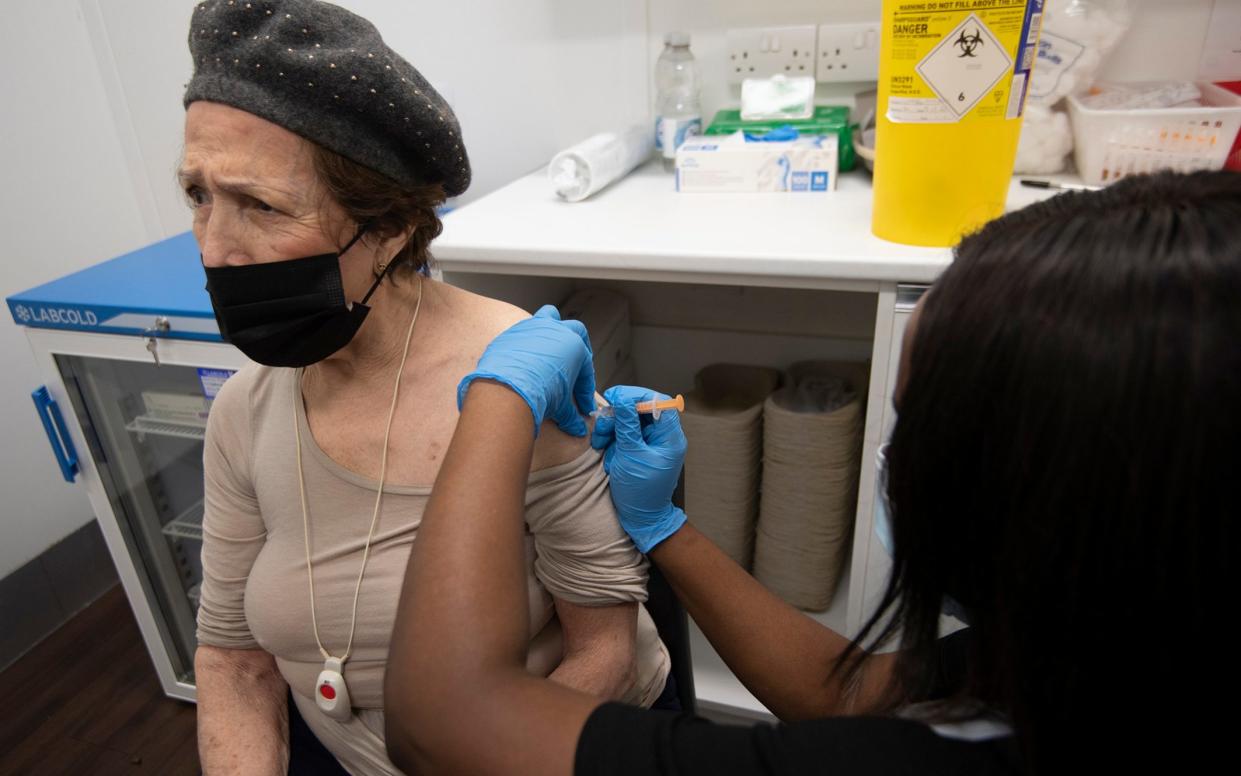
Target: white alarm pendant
331 692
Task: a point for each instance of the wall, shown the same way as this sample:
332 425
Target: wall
65 203
525 79
708 22
1164 42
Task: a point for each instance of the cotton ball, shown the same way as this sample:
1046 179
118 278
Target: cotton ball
1046 140
1077 35
1068 83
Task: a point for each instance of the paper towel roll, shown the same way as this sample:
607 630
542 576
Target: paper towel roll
723 421
577 172
812 435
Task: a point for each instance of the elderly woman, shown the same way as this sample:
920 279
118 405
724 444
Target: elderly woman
314 160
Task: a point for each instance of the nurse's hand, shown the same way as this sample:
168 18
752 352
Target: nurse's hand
548 363
643 465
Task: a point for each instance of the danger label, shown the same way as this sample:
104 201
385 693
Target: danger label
955 60
965 66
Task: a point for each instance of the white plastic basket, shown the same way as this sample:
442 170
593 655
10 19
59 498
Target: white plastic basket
1110 144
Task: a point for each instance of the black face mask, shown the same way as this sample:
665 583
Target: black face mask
287 313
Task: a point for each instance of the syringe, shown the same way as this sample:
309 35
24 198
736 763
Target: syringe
653 408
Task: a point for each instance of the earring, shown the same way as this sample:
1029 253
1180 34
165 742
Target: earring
381 267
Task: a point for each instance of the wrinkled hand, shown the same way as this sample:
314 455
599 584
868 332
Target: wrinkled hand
546 361
643 465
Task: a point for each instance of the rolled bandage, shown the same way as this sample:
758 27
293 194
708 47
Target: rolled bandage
592 164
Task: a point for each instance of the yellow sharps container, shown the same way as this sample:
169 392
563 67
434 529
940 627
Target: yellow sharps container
952 82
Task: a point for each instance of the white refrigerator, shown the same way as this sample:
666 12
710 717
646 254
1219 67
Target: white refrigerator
132 359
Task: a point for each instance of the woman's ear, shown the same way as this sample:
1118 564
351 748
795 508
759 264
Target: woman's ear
389 247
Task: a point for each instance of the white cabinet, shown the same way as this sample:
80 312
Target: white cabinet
758 279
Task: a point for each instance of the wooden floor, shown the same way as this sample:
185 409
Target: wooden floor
87 701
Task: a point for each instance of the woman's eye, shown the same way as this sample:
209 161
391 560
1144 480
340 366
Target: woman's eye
259 205
195 196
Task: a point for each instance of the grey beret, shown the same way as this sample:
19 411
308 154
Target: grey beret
326 74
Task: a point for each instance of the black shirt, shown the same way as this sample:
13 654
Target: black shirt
628 741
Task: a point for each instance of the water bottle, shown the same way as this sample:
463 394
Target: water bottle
677 112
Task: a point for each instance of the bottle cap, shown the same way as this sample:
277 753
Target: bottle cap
677 39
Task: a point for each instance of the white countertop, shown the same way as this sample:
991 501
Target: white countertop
640 228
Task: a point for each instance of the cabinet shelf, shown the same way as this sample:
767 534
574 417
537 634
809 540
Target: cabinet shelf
718 690
147 424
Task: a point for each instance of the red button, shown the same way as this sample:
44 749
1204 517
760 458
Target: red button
327 691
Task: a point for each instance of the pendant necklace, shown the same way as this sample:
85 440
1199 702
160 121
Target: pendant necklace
331 691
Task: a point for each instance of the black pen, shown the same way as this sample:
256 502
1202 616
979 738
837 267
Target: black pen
1041 184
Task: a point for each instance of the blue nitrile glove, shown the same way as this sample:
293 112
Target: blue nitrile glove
547 362
643 464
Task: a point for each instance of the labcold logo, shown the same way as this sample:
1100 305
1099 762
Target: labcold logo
57 316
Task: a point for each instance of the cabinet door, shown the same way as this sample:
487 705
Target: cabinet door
144 426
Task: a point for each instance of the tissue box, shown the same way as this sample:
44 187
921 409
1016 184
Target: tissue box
807 164
827 120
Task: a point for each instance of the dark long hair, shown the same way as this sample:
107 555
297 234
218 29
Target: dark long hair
1066 464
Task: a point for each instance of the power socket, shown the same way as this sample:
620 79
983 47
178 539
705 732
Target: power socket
848 52
761 52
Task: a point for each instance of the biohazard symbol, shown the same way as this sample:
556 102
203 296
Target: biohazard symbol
968 43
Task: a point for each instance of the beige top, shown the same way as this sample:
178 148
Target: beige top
255 593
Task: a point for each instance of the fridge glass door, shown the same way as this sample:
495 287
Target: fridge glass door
145 426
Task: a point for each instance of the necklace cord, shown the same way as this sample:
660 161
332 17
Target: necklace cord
383 471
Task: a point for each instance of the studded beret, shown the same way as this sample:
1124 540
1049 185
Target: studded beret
326 74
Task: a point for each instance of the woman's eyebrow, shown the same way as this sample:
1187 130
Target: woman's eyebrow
244 186
188 176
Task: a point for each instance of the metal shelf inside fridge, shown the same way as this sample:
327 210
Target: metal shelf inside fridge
146 424
188 524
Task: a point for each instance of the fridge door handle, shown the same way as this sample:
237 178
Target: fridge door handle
57 432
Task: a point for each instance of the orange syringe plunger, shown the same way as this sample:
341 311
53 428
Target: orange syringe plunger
653 408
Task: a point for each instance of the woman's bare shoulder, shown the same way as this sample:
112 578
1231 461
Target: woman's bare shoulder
481 319
476 319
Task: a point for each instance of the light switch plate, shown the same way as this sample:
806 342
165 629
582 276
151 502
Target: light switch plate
761 52
848 52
